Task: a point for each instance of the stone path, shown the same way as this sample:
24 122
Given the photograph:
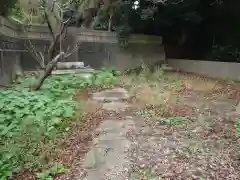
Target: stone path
107 158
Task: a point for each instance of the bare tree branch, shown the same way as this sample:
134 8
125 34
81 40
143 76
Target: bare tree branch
51 51
53 58
53 5
38 56
37 85
49 25
73 50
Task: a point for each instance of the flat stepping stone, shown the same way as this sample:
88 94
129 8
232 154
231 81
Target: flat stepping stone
109 151
73 71
70 65
115 106
115 94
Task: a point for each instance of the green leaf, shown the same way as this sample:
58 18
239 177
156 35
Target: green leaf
7 129
56 120
69 112
173 120
25 117
49 178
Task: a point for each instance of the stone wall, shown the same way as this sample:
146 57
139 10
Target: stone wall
8 58
223 70
97 54
97 48
101 49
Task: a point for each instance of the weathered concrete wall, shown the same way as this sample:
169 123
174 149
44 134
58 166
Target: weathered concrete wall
101 49
207 68
97 48
8 58
97 54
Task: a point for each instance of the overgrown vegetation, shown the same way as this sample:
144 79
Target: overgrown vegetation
29 120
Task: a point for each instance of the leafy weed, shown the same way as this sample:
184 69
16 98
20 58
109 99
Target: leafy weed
53 171
173 120
29 120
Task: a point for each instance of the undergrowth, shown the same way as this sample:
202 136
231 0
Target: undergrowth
29 120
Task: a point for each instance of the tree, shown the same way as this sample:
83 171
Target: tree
191 26
58 33
109 8
114 15
6 7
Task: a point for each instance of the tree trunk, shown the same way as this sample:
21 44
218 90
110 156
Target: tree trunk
39 82
18 65
110 23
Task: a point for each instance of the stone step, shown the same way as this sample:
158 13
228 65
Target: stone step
70 65
72 71
109 151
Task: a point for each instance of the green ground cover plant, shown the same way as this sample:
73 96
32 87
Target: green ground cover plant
29 120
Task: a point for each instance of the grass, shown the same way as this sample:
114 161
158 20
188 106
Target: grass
29 121
150 88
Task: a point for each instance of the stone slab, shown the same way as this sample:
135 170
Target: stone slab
115 94
73 71
70 65
109 150
115 106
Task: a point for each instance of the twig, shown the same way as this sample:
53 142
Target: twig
73 50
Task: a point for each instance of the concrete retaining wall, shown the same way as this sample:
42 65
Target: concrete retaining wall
97 48
97 54
224 70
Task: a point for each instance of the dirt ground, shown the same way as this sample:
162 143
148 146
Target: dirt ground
204 147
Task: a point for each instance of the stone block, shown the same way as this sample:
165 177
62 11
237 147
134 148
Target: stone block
70 65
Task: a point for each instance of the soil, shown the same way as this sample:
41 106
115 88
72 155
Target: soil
205 148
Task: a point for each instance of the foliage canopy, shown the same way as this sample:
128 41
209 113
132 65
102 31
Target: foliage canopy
7 6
